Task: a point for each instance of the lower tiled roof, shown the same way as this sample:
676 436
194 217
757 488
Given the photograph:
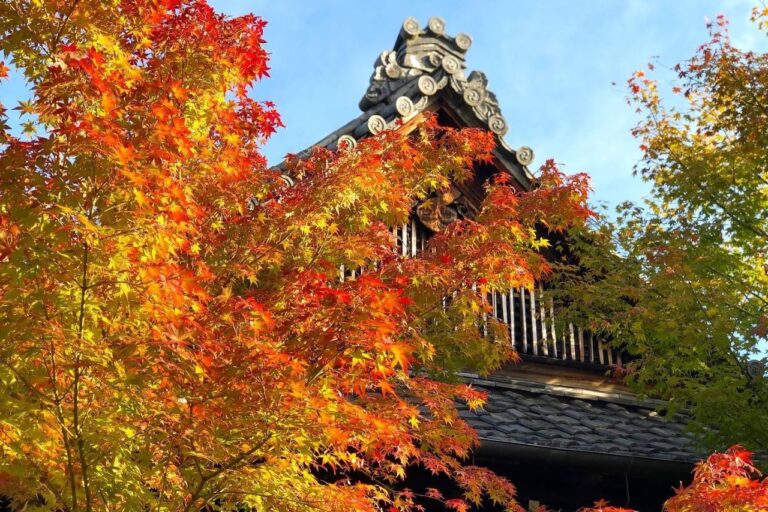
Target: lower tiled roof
554 417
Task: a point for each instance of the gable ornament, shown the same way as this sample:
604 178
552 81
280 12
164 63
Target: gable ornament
438 212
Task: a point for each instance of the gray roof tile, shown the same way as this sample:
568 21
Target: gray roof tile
574 413
660 431
549 433
568 420
543 409
600 425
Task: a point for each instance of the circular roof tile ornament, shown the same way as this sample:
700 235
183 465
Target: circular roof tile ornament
472 96
393 71
497 124
345 143
376 124
427 85
451 64
524 155
404 106
463 41
436 25
411 27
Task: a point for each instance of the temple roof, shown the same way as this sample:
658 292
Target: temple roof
426 71
578 420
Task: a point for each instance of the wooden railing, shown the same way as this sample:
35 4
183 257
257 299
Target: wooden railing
530 315
534 329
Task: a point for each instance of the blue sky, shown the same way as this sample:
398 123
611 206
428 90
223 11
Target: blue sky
551 64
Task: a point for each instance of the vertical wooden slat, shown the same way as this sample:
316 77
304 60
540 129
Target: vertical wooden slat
404 232
618 358
473 287
534 330
591 351
484 298
413 237
600 350
394 230
609 353
573 342
581 344
504 316
554 332
524 323
396 235
542 308
512 334
454 294
341 273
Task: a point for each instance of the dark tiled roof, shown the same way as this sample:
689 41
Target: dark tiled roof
592 422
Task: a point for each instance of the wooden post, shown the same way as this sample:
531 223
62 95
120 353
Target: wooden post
341 273
534 330
413 237
581 343
573 342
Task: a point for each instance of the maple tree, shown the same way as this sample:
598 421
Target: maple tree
174 333
724 482
681 281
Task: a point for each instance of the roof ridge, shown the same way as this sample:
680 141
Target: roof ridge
432 60
427 67
563 390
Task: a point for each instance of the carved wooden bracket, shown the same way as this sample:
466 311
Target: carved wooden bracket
438 212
